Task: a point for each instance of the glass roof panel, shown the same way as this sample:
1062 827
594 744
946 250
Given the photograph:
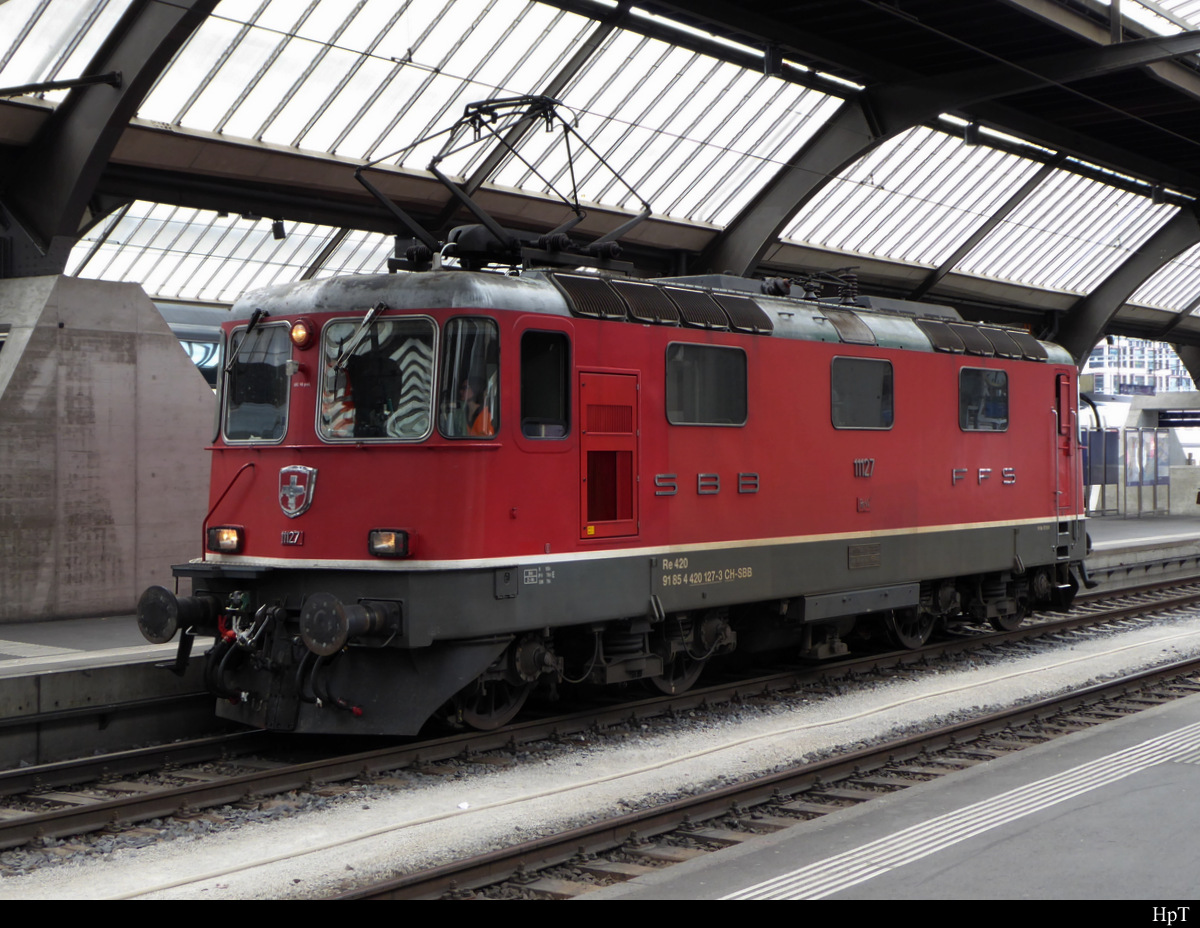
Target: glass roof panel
210 74
43 41
189 72
359 253
695 133
1069 234
306 100
1188 11
914 198
694 136
273 88
1175 286
1165 17
352 94
192 254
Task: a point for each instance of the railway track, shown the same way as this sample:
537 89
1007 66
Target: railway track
42 808
575 862
45 725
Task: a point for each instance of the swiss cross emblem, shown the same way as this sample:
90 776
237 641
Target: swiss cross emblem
296 484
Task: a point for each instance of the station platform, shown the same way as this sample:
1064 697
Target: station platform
1106 813
68 644
1111 533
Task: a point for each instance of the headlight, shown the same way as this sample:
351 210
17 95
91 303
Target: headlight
388 542
226 539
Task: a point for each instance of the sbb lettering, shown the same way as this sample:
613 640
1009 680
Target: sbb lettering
706 484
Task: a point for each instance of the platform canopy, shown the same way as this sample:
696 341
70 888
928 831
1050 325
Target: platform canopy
1026 161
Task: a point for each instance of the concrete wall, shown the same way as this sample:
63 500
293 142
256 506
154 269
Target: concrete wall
103 425
1143 414
1185 490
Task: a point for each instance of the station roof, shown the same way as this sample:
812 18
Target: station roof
1027 161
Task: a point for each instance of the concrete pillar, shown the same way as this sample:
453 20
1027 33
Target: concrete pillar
103 472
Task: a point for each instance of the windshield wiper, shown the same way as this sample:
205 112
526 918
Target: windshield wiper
357 337
255 318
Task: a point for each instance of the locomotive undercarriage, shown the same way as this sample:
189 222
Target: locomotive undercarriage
383 652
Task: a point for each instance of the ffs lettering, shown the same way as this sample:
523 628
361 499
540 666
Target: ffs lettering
1007 475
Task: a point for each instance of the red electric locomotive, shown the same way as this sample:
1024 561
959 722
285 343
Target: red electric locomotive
432 491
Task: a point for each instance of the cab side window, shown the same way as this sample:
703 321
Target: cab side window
469 381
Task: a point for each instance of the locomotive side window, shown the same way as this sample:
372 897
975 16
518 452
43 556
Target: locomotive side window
706 385
469 382
861 394
545 399
378 380
982 400
258 385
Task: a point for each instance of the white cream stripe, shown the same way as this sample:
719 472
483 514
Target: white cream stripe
612 553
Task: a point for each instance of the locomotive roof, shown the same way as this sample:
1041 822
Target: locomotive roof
717 302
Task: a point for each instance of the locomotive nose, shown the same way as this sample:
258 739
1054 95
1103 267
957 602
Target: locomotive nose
160 613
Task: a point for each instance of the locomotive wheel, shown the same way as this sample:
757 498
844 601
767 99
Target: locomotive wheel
1010 622
491 704
678 676
909 628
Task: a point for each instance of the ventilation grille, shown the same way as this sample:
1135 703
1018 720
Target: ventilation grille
941 336
1004 345
744 314
610 418
852 329
590 296
647 303
973 340
697 308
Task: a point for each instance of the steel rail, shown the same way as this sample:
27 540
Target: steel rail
636 826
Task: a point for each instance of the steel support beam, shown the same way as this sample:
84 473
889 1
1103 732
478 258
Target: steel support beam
1190 356
883 112
850 134
1086 321
48 192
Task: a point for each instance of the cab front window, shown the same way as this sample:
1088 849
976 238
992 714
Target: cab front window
377 381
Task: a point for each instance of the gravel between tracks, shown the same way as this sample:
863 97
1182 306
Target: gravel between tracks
379 830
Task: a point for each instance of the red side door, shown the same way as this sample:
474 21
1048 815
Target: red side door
608 413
